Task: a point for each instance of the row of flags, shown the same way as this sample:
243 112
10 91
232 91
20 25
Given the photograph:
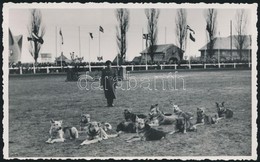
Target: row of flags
90 34
147 36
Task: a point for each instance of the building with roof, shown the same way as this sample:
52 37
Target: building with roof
163 53
224 50
62 59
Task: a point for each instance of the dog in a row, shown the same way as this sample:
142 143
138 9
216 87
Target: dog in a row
95 131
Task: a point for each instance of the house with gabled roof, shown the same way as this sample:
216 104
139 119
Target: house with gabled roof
223 48
163 53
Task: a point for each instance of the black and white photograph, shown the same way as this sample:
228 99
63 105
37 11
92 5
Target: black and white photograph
130 81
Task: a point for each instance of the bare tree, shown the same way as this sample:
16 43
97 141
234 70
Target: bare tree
152 17
240 26
36 32
122 16
211 28
181 32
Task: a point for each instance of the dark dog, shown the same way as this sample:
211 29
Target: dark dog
129 116
126 126
183 125
145 132
223 112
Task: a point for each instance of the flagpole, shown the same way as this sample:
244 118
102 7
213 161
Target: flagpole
218 50
188 54
61 50
56 44
165 34
89 66
231 40
99 44
79 44
142 39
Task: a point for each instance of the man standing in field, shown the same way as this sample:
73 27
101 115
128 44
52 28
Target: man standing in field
109 82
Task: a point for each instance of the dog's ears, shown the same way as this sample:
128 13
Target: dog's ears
217 104
52 121
60 121
223 103
99 124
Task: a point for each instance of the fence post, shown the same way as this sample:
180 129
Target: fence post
34 70
89 68
146 67
132 67
218 65
48 70
249 64
234 65
21 70
189 66
175 66
205 66
161 67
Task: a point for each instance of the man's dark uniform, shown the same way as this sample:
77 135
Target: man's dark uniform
109 81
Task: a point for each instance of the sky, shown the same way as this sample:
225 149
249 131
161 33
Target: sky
76 23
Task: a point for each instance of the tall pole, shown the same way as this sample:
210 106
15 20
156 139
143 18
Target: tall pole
231 40
56 43
89 66
79 44
165 34
218 50
146 38
142 39
188 54
205 52
99 45
61 52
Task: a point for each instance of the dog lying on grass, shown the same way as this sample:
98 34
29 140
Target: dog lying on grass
129 116
183 125
129 126
95 133
158 118
202 118
59 133
223 112
145 132
180 113
126 126
85 120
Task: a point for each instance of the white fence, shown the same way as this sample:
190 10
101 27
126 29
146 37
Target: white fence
131 67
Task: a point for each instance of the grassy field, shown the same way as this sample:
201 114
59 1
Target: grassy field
33 101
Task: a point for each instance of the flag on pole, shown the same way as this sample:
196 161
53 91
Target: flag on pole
61 36
101 29
188 27
192 38
91 35
145 36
